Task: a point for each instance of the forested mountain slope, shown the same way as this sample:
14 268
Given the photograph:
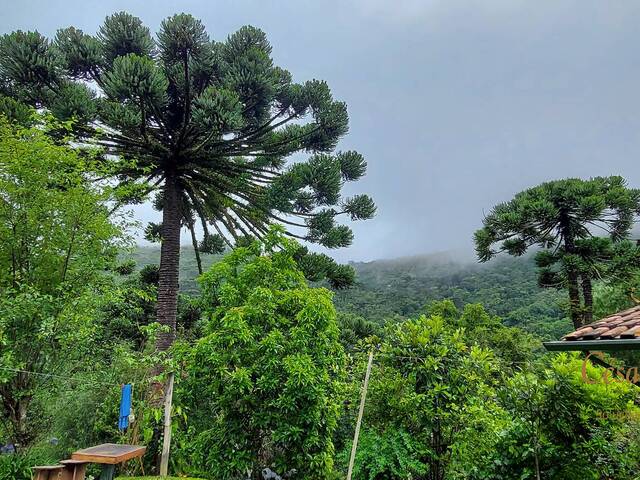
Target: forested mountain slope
385 288
505 286
148 255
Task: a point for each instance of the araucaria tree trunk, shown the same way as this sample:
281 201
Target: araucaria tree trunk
587 295
574 298
169 262
575 307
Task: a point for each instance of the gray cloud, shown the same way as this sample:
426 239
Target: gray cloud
457 105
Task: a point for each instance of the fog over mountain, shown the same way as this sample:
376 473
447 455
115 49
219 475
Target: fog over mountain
456 104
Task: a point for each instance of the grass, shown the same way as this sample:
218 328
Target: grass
157 478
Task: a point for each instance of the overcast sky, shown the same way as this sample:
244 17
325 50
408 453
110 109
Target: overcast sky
456 105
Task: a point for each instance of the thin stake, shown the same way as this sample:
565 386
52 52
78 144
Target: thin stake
360 413
166 441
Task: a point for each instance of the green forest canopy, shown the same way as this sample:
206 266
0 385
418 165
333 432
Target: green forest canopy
506 286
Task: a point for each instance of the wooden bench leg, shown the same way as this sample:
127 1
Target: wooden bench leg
80 472
74 470
108 472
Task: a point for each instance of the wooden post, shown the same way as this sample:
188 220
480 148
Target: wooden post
108 472
166 441
360 413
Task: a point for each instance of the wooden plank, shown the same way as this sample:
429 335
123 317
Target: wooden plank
363 398
109 453
166 442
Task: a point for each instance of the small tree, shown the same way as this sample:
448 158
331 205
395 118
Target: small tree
56 237
561 217
212 124
429 392
262 389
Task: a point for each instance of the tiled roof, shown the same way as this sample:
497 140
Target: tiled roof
622 325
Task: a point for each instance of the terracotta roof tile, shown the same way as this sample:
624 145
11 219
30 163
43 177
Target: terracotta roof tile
632 332
614 332
625 324
630 323
578 333
595 333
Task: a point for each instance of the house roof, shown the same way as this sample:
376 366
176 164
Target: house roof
620 331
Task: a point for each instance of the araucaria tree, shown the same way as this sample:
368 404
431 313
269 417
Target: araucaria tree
564 219
210 124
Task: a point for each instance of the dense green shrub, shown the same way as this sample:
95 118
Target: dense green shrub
568 428
18 466
262 388
15 467
58 237
429 392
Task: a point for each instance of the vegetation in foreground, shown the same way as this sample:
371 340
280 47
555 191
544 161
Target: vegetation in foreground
268 371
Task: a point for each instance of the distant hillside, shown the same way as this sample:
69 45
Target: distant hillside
144 255
506 286
385 288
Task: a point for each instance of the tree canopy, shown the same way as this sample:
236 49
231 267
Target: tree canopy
210 123
269 369
563 218
218 116
56 240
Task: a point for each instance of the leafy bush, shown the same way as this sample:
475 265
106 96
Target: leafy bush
262 388
392 453
17 466
429 394
568 428
157 478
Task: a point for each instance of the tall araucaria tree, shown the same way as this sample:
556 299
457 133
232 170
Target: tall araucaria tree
211 124
564 219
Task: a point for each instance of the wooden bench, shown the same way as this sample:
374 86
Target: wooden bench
107 454
74 469
48 472
67 470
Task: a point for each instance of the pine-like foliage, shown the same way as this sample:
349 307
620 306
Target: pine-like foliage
213 124
564 219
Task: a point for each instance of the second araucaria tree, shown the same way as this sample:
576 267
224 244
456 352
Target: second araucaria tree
579 228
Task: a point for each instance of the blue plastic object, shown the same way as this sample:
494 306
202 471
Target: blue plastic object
125 407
